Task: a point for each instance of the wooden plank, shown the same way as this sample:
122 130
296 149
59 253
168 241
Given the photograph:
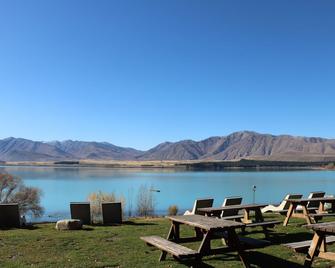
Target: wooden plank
232 207
327 255
322 214
289 213
298 215
327 227
317 199
205 223
169 246
313 249
303 246
308 218
235 217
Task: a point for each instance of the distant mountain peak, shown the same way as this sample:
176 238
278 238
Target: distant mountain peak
237 145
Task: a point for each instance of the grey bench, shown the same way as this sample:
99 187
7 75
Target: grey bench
284 211
322 215
234 217
303 246
170 247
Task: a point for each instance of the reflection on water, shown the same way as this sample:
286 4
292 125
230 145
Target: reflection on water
61 186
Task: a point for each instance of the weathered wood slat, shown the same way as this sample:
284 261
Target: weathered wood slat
205 223
327 255
284 211
327 227
303 246
317 199
234 217
174 249
322 214
232 207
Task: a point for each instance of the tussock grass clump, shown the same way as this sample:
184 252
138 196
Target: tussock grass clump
99 197
145 201
173 210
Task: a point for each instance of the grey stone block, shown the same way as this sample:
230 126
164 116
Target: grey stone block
69 225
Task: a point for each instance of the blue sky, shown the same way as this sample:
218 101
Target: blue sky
137 73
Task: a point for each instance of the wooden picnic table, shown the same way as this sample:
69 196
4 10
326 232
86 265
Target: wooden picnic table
318 246
207 229
246 207
309 216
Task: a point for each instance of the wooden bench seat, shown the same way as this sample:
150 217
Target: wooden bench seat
303 246
322 214
234 217
263 224
284 211
174 249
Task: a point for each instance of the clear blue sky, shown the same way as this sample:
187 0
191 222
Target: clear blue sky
136 73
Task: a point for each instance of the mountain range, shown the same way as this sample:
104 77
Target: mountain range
238 145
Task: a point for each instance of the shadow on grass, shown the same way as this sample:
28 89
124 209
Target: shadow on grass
138 223
105 225
283 238
192 263
85 228
199 264
123 223
263 260
224 257
26 227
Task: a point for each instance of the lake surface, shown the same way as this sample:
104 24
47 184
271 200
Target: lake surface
61 186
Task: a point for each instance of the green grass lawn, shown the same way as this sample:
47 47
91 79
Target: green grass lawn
120 246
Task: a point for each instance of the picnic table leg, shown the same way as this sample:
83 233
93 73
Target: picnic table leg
321 207
259 218
198 233
314 249
289 214
246 218
205 246
323 246
234 243
332 207
170 236
306 214
176 231
258 215
162 257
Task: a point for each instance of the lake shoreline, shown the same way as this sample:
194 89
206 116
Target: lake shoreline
192 165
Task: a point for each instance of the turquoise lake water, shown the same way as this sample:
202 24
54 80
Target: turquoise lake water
61 186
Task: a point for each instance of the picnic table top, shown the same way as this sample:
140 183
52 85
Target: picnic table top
305 200
205 223
327 227
232 207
